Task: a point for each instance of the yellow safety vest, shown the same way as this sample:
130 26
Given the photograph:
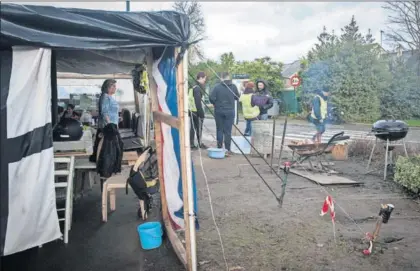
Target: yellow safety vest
145 81
191 101
248 110
323 108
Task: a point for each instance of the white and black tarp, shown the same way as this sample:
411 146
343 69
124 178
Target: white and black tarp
27 195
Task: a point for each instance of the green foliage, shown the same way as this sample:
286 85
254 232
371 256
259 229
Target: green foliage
401 99
227 61
351 67
260 68
210 67
407 172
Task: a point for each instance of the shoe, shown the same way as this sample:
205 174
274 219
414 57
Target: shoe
194 147
203 146
228 153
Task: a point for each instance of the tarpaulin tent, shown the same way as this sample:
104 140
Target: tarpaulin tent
39 41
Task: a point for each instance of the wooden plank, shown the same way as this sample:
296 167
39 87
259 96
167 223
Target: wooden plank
69 75
130 156
173 238
71 153
323 178
167 119
184 147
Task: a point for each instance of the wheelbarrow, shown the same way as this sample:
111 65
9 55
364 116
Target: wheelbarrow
305 151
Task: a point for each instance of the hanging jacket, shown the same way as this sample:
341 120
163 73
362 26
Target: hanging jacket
110 152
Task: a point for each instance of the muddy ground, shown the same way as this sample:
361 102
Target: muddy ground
258 235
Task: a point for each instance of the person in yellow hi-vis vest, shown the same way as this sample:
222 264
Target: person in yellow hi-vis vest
196 111
249 109
319 112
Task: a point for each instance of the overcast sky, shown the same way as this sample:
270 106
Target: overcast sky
283 31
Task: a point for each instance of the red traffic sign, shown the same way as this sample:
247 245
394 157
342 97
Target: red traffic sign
295 81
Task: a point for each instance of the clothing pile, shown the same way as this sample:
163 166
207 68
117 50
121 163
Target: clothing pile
110 151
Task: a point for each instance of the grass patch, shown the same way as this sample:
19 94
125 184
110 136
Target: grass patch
413 123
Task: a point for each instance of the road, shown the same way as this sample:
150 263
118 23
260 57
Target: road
306 131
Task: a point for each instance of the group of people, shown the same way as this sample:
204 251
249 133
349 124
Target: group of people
255 105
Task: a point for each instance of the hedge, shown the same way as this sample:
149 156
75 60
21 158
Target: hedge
407 172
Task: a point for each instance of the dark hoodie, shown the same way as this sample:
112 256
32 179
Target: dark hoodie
222 97
265 94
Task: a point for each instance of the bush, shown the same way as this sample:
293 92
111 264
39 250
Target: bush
407 172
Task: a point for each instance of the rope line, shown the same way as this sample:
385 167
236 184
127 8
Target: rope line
244 155
209 193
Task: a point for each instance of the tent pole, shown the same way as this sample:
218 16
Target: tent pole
176 243
54 91
186 167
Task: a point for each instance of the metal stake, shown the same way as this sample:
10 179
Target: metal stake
272 144
386 159
371 154
282 143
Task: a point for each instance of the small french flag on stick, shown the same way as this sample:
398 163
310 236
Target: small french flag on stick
328 205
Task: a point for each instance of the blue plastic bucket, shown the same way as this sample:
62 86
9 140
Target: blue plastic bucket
150 235
216 153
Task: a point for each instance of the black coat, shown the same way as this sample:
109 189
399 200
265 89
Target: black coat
110 152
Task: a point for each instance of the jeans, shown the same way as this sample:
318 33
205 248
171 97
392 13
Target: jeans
224 124
263 117
248 129
196 128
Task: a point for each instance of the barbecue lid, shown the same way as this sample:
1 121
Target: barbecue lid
390 125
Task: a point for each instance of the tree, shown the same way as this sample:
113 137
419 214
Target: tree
404 23
350 67
227 61
400 99
351 32
197 26
263 68
260 68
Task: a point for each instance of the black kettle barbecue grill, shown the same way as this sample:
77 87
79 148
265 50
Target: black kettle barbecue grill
388 131
391 130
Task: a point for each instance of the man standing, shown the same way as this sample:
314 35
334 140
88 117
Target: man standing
319 112
223 98
263 92
196 111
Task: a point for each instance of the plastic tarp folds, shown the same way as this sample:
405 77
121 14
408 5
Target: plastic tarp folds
47 26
